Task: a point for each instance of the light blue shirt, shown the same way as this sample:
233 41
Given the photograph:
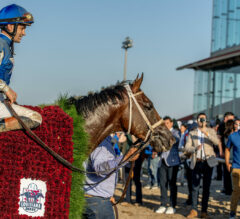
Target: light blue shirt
102 160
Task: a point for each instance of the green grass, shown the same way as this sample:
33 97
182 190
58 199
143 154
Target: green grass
80 139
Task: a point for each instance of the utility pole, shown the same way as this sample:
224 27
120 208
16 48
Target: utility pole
128 43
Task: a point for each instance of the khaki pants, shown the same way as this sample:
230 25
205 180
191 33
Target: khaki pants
236 189
20 110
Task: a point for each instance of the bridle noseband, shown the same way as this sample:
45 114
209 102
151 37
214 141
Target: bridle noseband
132 96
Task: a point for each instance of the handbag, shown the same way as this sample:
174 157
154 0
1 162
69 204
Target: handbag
212 161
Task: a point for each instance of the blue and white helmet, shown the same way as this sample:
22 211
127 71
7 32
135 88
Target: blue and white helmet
15 14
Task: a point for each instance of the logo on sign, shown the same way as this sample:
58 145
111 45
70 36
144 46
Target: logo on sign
32 197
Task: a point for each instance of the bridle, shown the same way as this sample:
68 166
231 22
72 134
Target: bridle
67 163
73 168
132 96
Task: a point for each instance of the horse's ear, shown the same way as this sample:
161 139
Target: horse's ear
137 76
137 83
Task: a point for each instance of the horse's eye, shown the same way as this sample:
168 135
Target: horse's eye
148 106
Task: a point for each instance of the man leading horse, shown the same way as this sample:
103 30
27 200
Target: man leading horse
13 22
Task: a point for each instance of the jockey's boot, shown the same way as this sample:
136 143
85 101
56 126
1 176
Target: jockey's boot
11 123
32 124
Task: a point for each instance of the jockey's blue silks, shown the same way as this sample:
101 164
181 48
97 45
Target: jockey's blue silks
6 59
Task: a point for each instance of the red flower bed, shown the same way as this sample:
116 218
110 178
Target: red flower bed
21 157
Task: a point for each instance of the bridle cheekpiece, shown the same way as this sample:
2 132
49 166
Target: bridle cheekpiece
132 96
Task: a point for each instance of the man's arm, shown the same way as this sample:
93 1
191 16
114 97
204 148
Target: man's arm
227 156
103 161
211 134
227 153
213 137
189 148
11 94
220 149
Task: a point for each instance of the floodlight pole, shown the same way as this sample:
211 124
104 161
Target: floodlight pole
126 45
125 66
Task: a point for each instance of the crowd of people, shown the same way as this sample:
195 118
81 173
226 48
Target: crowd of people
199 147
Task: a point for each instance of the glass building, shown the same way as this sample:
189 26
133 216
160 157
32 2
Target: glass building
217 78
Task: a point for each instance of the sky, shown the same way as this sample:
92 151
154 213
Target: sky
74 47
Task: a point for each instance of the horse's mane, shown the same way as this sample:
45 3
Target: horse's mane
108 95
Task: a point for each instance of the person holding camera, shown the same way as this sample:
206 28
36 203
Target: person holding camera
200 144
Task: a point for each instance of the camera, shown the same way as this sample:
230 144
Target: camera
202 120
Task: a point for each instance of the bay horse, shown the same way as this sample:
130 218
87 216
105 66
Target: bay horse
123 107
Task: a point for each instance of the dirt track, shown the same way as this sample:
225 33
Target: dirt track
219 204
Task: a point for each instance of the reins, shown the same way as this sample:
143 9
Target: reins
121 164
146 140
58 157
67 164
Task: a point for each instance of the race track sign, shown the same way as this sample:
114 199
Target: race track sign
32 183
32 196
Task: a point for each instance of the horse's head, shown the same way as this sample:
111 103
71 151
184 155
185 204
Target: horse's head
109 111
143 121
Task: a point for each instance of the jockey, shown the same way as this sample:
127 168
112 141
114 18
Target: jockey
13 22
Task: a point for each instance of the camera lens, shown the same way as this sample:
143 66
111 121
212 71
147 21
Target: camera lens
202 120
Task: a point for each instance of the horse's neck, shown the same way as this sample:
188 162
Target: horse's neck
100 124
